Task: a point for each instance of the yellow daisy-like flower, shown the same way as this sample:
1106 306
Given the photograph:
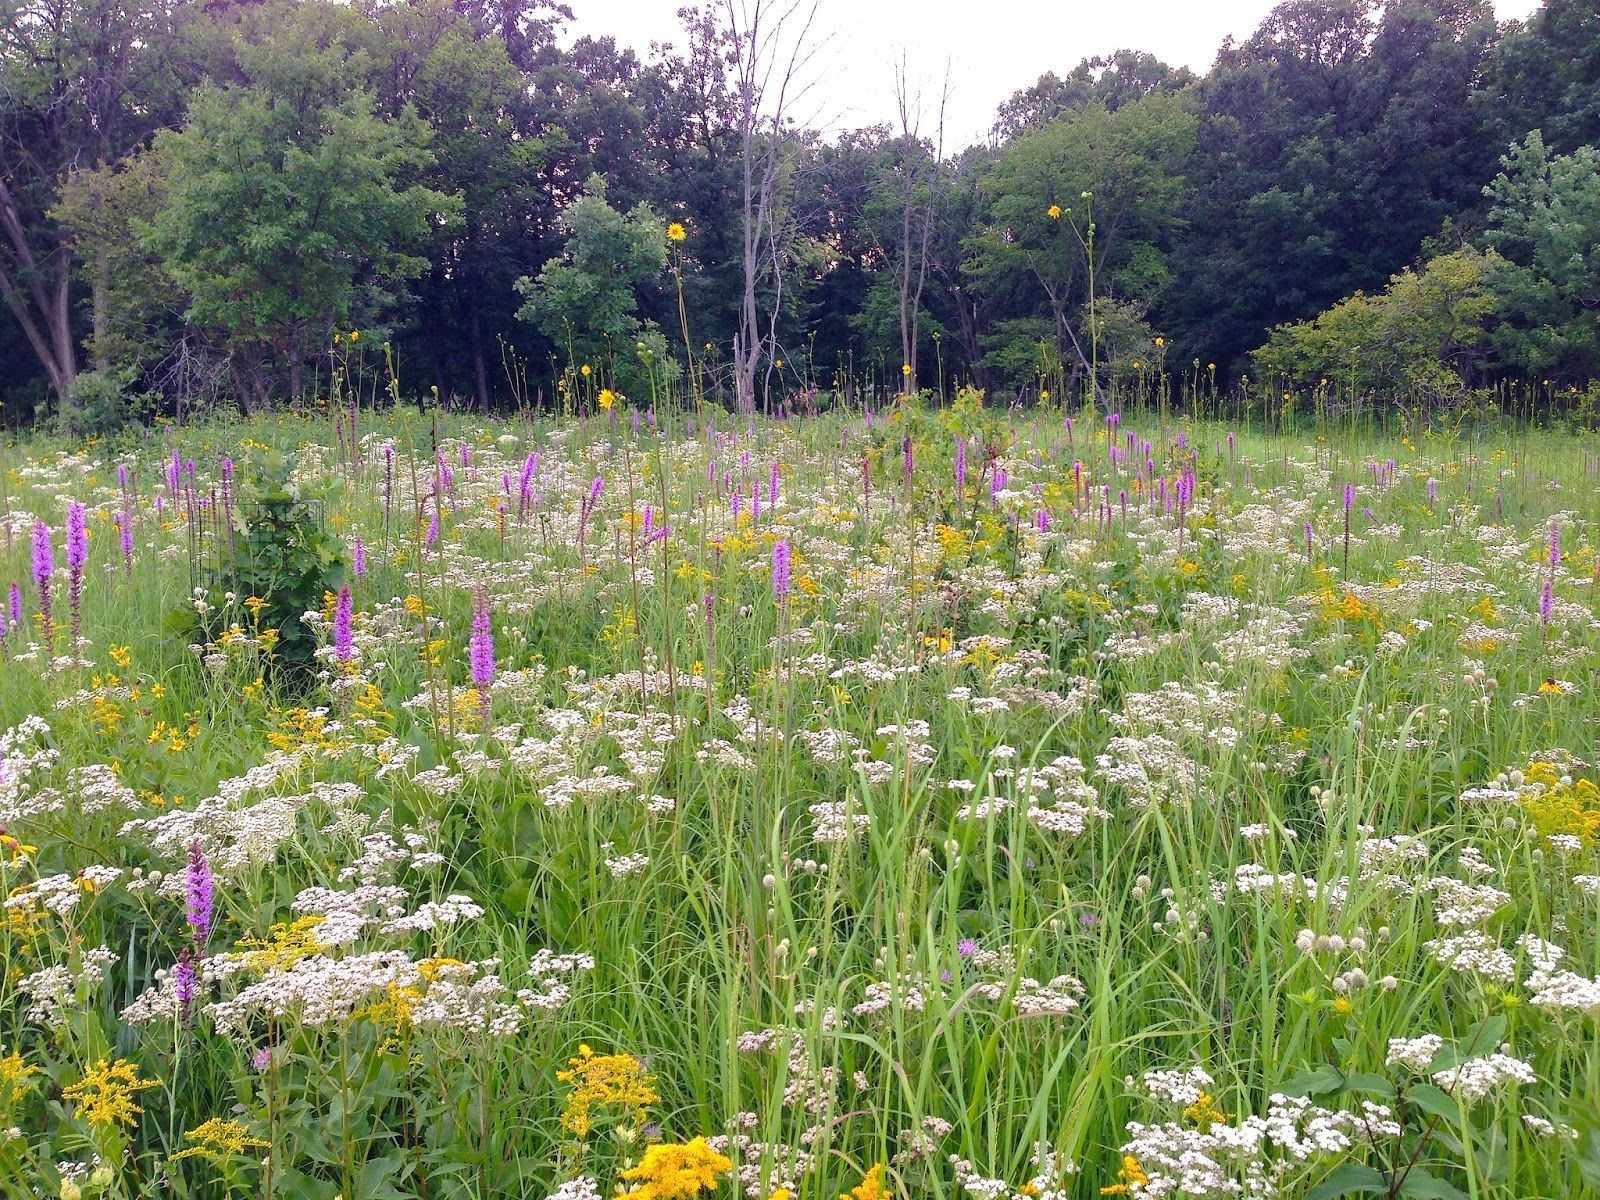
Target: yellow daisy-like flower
1053 212
676 232
106 1093
905 369
606 398
586 370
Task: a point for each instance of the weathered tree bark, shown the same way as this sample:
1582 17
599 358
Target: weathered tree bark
37 294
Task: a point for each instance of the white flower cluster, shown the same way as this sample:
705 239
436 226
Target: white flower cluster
1253 1157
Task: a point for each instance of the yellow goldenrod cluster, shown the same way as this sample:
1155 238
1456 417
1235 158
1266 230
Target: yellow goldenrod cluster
1571 808
14 1075
675 1172
107 1093
1349 608
219 1139
605 1081
286 943
1129 1176
1204 1113
871 1186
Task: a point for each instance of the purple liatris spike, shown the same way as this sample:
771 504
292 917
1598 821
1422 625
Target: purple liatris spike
1547 602
780 570
482 645
961 463
77 537
44 566
358 558
185 981
343 636
125 536
1349 496
433 527
199 892
772 486
16 605
1555 544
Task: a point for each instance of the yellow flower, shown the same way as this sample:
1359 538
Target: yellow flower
122 656
355 335
606 398
219 1139
14 1078
676 1172
871 1186
1160 342
284 945
105 1094
1343 1007
676 232
611 1080
905 369
586 370
1053 212
1044 394
1131 1176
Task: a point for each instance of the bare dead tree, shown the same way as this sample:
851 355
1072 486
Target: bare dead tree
770 45
912 180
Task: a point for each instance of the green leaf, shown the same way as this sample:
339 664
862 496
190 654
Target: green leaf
1369 1083
1426 1186
1315 1082
1350 1179
1435 1101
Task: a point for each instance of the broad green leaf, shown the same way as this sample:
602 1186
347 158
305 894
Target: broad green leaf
1350 1179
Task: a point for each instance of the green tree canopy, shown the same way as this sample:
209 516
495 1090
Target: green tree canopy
286 192
1545 222
587 300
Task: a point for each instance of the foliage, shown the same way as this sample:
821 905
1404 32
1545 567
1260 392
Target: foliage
286 192
1333 146
1077 824
587 300
102 402
1545 223
1118 171
1426 333
276 565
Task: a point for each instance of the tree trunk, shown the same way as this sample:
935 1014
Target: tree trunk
37 295
480 371
100 299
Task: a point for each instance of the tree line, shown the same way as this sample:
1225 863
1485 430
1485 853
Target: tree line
206 203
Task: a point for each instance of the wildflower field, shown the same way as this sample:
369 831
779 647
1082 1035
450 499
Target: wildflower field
938 801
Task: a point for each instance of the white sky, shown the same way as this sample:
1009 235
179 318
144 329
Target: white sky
994 47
